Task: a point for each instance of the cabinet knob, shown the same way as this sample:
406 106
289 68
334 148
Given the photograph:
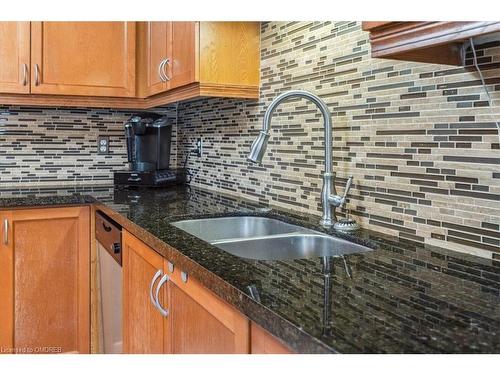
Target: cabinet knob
184 277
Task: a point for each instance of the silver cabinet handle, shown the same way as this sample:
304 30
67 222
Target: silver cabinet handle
153 281
37 75
160 70
25 74
167 78
163 280
6 231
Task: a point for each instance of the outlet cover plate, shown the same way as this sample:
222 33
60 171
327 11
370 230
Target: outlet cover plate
103 145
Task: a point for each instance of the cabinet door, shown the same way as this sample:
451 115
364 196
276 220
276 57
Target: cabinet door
6 284
83 58
201 323
262 342
14 57
157 41
183 54
144 328
173 43
44 283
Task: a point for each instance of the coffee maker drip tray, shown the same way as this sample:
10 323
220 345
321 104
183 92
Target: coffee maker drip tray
155 178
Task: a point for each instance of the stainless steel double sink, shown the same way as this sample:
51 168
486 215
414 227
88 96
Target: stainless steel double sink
263 238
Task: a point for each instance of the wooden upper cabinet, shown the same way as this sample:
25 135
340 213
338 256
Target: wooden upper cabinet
153 38
430 42
144 328
83 58
167 56
182 66
230 53
135 65
44 280
221 58
14 57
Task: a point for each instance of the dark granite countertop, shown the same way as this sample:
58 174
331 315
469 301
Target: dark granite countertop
403 297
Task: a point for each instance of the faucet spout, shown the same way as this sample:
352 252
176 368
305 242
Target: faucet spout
258 149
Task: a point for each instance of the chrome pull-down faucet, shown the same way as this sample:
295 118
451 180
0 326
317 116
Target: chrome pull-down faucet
329 195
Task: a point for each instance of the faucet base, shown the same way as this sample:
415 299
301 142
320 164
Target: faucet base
346 225
327 223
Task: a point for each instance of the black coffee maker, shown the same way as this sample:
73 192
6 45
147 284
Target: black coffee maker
148 137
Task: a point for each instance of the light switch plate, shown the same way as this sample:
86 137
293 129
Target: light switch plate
199 147
103 145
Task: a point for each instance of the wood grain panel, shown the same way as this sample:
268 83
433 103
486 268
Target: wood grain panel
96 338
83 58
425 41
230 66
230 53
50 285
175 41
158 38
144 329
6 285
182 68
368 25
14 56
195 90
152 42
195 330
262 342
200 322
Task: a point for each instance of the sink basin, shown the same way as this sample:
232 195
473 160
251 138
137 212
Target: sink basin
290 246
262 238
220 228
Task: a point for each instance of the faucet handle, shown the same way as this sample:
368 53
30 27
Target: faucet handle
347 188
337 200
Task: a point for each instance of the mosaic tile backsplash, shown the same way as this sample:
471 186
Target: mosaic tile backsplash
419 139
47 146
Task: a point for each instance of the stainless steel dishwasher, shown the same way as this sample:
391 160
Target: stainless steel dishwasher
109 285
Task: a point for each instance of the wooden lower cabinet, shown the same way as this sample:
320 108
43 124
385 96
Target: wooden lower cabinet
263 342
44 280
201 323
197 321
45 294
144 328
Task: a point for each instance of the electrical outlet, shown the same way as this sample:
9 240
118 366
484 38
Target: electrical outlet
103 145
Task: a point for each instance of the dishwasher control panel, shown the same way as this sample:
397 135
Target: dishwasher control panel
109 235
